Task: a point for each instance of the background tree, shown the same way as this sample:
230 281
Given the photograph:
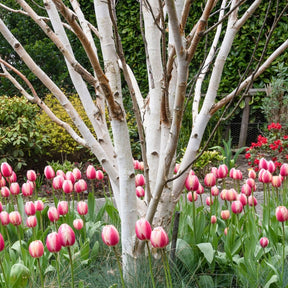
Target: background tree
173 48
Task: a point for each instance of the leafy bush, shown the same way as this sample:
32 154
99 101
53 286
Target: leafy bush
60 142
20 139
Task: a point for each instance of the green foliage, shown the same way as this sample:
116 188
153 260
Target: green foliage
65 166
20 138
229 157
60 142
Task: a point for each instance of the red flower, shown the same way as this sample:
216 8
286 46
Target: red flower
247 155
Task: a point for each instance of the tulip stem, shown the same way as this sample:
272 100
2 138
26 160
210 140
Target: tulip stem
4 275
150 265
57 269
283 254
71 264
41 276
166 268
119 266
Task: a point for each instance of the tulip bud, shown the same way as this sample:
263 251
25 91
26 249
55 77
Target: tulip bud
53 243
263 164
226 231
99 175
53 214
30 208
70 176
2 182
214 191
39 205
78 224
12 178
5 192
176 168
143 229
236 207
31 221
1 207
67 186
231 195
237 174
209 201
214 171
141 166
242 198
276 181
225 214
61 173
284 170
159 238
200 189
6 169
4 217
77 173
222 171
82 208
192 182
15 218
251 183
213 219
139 180
209 180
136 164
27 189
2 243
91 172
49 172
110 235
66 235
14 188
252 201
31 175
62 207
36 249
223 194
264 242
192 196
281 213
140 192
80 186
271 166
246 189
252 174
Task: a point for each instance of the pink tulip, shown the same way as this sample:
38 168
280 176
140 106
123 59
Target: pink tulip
263 164
140 192
271 167
141 166
53 214
2 182
214 171
192 196
82 208
252 174
99 175
209 180
209 201
176 168
281 213
213 219
57 182
30 208
49 172
61 173
276 181
2 243
78 224
80 186
139 180
231 172
14 188
243 199
223 194
6 169
200 189
91 172
284 170
110 235
251 183
231 195
252 201
143 229
237 174
266 177
222 171
70 176
246 189
62 207
12 178
5 192
264 241
15 218
31 221
39 205
192 182
226 231
53 243
67 186
27 189
4 217
214 191
36 249
159 238
136 164
77 173
1 207
225 214
66 235
31 175
237 207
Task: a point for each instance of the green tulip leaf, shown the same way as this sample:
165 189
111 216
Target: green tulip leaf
205 281
50 268
272 280
19 276
207 250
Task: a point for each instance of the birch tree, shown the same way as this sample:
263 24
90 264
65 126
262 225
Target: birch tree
170 45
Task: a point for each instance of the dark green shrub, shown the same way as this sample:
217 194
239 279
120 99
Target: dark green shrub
20 139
